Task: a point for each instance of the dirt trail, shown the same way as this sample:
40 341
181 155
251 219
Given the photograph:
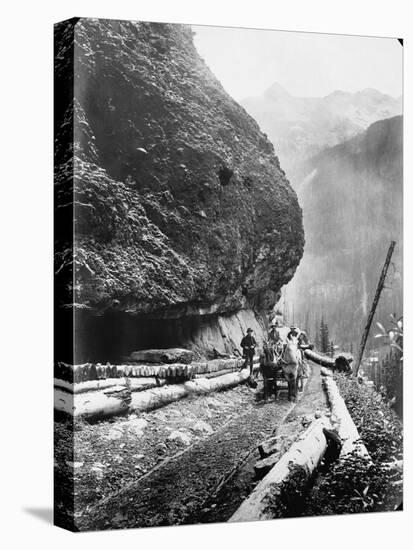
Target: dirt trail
223 505
206 481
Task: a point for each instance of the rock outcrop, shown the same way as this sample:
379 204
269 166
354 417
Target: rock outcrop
182 212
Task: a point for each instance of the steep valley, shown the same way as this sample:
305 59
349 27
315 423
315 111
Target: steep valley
352 201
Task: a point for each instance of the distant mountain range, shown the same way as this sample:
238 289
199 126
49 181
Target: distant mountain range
301 127
352 201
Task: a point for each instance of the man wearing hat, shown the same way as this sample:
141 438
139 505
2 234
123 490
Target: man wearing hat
294 333
300 336
273 334
248 345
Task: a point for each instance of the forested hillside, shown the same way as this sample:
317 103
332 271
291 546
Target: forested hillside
352 201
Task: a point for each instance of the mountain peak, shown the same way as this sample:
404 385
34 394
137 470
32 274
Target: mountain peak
276 90
338 93
371 92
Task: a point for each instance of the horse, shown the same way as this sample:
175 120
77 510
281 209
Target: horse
268 369
290 362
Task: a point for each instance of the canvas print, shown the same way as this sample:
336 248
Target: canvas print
228 274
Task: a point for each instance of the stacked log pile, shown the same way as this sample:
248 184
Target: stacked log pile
120 399
92 371
95 390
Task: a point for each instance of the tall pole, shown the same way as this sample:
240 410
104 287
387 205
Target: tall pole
373 307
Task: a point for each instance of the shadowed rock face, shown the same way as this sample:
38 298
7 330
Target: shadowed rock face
181 206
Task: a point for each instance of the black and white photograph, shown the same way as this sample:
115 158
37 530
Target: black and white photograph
228 274
228 261
205 274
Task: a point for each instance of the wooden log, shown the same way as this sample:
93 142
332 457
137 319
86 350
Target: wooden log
341 362
135 384
120 399
88 385
342 421
170 355
325 372
199 367
88 371
159 397
305 454
156 398
215 365
110 402
320 359
214 374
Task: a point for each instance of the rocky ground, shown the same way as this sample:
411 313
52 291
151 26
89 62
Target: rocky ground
189 462
222 505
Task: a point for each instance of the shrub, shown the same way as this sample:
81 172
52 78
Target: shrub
354 484
378 425
390 382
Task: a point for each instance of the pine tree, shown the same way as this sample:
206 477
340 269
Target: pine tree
307 324
317 336
324 337
321 332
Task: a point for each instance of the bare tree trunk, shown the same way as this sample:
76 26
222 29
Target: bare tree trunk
373 307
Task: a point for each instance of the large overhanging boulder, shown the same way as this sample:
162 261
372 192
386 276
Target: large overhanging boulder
180 204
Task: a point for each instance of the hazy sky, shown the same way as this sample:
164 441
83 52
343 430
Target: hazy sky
248 61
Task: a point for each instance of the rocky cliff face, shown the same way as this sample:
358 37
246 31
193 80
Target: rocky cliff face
353 207
181 208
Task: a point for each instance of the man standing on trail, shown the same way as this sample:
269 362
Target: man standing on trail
273 335
300 336
248 345
303 341
294 333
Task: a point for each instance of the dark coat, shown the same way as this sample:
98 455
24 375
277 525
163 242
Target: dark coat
248 345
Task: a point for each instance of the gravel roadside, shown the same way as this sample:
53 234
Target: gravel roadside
189 451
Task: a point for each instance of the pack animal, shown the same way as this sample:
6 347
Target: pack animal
268 369
290 363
